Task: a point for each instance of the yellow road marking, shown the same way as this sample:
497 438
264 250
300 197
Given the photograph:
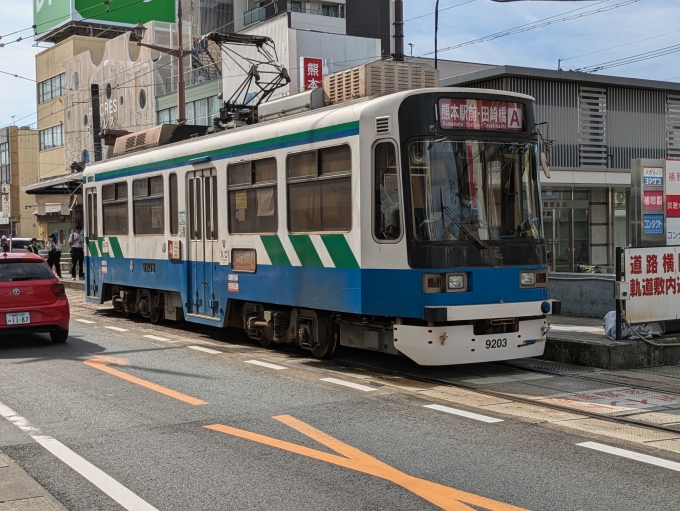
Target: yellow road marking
354 459
102 362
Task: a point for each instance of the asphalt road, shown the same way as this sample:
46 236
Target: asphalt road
281 438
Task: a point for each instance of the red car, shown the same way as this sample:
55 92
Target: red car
32 300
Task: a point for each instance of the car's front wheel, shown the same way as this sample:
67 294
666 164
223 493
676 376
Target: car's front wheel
59 336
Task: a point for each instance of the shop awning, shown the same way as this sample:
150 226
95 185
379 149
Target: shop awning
60 185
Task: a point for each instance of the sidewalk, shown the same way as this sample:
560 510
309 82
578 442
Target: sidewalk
20 492
582 341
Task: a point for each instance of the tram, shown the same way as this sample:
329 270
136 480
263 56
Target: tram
407 223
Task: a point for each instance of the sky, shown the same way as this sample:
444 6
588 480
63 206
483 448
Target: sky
542 47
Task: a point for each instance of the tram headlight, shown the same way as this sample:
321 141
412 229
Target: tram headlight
456 282
527 279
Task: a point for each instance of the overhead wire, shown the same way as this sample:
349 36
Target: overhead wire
537 24
640 57
620 46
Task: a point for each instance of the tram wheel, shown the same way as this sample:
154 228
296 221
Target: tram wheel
265 341
326 349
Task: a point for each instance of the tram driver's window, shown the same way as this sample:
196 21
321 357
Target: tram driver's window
387 210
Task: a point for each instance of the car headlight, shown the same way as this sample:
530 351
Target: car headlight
527 278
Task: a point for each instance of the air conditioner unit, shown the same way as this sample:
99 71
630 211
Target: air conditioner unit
620 199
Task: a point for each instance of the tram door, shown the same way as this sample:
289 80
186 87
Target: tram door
92 263
203 244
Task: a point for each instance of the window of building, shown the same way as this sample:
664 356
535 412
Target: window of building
167 116
52 137
387 210
202 112
147 196
295 6
252 197
115 209
320 190
333 10
174 205
51 88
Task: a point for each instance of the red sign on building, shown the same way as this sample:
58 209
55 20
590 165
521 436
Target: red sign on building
312 73
673 206
653 200
473 114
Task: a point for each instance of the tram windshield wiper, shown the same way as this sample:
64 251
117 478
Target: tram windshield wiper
468 232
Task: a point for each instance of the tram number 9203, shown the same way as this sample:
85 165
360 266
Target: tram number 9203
496 343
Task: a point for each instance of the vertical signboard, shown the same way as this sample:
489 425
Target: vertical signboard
653 275
672 202
6 211
647 205
311 73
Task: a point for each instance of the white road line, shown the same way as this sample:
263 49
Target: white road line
344 383
156 338
644 458
207 350
265 364
117 329
100 479
463 413
85 321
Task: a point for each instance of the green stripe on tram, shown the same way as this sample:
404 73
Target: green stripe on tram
339 250
305 250
275 251
92 247
114 246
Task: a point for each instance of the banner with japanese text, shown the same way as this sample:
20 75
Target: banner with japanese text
653 275
311 71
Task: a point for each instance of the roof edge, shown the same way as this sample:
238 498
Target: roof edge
567 76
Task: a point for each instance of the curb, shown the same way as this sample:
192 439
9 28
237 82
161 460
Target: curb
19 491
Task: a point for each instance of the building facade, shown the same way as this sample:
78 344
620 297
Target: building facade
599 124
19 167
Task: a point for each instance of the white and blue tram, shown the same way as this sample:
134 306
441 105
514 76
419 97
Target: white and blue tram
407 223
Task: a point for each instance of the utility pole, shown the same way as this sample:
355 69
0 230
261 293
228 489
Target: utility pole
138 33
436 28
398 30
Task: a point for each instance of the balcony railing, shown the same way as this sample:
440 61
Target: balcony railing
261 14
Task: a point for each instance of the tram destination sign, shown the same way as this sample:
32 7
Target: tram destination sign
475 114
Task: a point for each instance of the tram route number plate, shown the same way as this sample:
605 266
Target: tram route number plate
496 343
18 318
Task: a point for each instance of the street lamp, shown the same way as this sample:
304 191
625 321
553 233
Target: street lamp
436 29
137 34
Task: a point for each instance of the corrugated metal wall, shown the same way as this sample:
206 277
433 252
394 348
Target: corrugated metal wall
636 119
636 125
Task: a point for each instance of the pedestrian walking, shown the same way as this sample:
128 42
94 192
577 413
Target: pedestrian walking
4 246
33 247
76 241
54 254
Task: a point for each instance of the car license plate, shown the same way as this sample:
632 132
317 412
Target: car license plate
18 318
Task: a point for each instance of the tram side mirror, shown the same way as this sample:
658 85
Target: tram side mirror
545 165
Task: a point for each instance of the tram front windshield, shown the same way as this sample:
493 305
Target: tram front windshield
464 190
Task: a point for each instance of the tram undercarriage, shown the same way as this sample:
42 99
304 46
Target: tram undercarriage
431 343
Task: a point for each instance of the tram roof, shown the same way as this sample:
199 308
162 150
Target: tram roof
103 166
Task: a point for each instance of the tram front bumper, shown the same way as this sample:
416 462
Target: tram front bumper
491 311
457 344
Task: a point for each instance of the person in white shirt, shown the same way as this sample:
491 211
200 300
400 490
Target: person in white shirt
76 242
54 254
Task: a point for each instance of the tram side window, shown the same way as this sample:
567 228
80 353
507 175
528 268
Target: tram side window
174 205
320 190
115 209
387 216
147 197
252 197
92 214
